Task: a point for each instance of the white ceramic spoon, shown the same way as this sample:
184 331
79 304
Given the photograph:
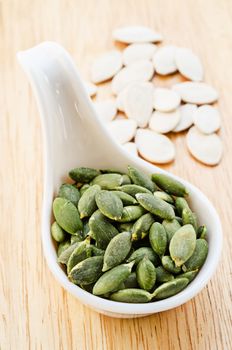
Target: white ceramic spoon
75 136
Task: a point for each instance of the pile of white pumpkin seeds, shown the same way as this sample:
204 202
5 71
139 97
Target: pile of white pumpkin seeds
127 237
141 115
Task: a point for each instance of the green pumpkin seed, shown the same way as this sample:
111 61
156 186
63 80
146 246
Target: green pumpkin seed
181 204
198 257
190 275
141 179
69 192
87 271
87 203
62 247
158 238
67 215
179 220
131 213
130 281
117 250
142 226
76 238
170 185
131 295
109 204
202 232
81 252
125 198
108 181
132 190
111 171
162 275
182 244
103 231
125 226
188 217
57 232
83 175
142 252
83 189
97 251
169 265
171 288
155 205
111 280
66 253
171 226
164 196
86 229
146 275
126 180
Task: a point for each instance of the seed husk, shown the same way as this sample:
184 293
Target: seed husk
87 203
141 226
146 275
108 181
190 275
141 179
171 288
158 238
198 257
103 231
83 175
188 217
87 271
171 226
109 204
182 244
163 275
164 196
117 250
57 232
131 213
111 280
142 252
170 185
131 281
125 198
65 253
155 205
132 190
62 247
169 265
67 215
131 295
81 252
202 232
69 192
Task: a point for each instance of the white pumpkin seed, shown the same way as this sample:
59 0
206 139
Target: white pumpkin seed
207 119
194 92
106 66
137 52
122 130
120 100
138 101
186 117
136 34
165 100
106 109
188 64
163 122
164 60
154 147
90 88
131 148
138 71
205 148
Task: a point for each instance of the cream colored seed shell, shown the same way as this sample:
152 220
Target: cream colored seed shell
165 100
164 60
106 109
137 52
188 64
90 88
106 66
186 117
136 34
123 130
194 92
131 148
207 119
164 122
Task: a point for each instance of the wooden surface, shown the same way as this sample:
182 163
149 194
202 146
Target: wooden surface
36 313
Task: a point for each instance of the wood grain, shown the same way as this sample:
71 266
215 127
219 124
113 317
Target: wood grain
36 313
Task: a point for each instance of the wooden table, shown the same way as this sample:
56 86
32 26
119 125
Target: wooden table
36 313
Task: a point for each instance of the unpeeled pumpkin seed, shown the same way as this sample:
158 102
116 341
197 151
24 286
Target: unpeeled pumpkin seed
108 181
165 100
195 92
106 109
158 238
67 215
138 51
109 204
198 257
131 148
188 64
87 271
87 203
146 275
170 185
207 119
164 122
155 205
117 250
142 252
182 244
141 226
122 130
186 117
57 232
141 179
69 192
171 288
106 66
111 280
164 60
131 295
136 34
83 175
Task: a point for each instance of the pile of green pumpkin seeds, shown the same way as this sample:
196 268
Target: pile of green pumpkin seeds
127 237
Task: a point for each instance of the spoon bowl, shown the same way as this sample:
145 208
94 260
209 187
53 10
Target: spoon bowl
75 136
